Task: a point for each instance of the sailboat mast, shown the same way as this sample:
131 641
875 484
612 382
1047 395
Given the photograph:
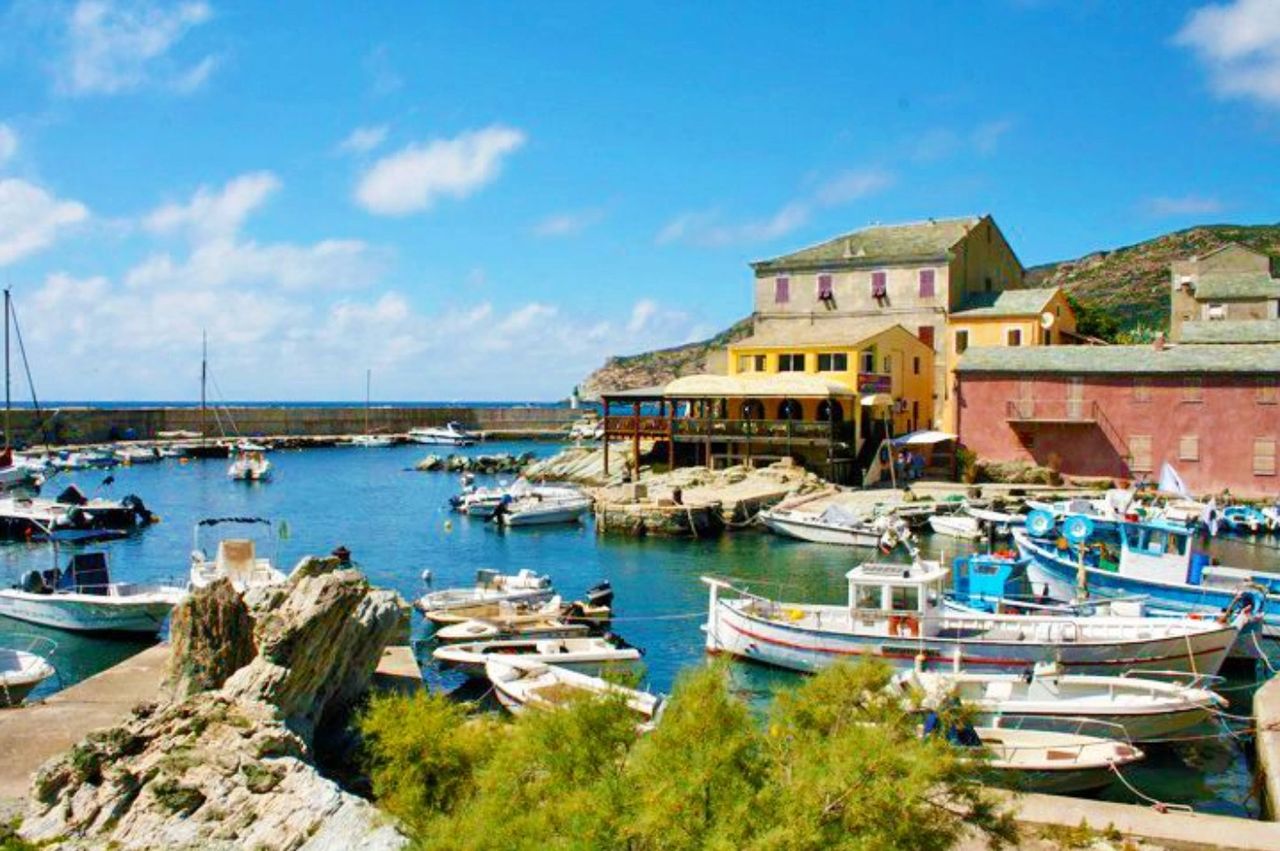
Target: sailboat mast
368 380
8 400
204 377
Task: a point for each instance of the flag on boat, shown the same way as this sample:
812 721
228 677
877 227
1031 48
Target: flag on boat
1211 517
1171 482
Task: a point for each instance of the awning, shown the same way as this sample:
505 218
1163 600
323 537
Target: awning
793 385
927 437
873 399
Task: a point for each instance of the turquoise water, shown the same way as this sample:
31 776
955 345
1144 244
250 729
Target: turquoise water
396 523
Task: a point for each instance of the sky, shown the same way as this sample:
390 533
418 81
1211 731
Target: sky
483 201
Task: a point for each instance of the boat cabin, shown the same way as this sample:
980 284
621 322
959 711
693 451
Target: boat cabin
899 598
981 581
1160 551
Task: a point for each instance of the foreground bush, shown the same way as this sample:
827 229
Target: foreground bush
835 765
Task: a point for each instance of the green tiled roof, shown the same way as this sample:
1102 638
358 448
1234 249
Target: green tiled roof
928 240
1213 286
1232 331
1007 303
1078 360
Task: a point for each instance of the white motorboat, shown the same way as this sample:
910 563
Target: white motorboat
72 516
470 657
21 671
249 465
491 587
521 685
450 434
835 525
1147 709
83 598
236 558
896 612
1002 520
371 441
536 509
963 526
136 455
587 427
484 502
1053 762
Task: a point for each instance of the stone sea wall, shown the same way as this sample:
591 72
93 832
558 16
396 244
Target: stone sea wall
89 425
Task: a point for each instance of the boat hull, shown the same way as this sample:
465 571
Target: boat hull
545 516
735 632
90 613
821 533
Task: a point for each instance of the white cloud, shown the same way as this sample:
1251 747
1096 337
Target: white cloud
119 45
1184 205
383 77
8 143
853 185
940 143
1239 44
568 224
413 178
225 262
708 229
986 137
31 219
213 213
362 140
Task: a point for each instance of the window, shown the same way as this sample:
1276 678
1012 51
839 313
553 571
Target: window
1048 338
879 284
1264 456
962 341
1189 447
790 409
781 290
1140 453
1267 391
905 599
986 283
834 362
925 333
868 597
1013 337
751 363
888 364
791 362
926 283
1217 311
868 364
1141 390
915 366
1191 389
825 291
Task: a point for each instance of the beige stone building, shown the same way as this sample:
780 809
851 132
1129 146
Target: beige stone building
914 275
1228 285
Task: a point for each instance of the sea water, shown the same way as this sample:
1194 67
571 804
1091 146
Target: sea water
396 522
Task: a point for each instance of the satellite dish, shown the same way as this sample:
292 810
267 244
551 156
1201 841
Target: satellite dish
1047 319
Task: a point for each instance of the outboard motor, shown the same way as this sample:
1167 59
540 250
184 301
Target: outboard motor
600 594
72 495
134 503
32 582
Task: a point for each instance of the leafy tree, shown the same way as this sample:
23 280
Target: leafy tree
1094 321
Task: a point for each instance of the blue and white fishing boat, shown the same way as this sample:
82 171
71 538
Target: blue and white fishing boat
1157 561
896 612
1244 519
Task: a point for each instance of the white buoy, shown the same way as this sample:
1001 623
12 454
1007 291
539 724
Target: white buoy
426 577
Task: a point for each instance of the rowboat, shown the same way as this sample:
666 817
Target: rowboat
962 526
524 586
896 612
470 657
521 685
1147 709
1053 762
527 627
22 670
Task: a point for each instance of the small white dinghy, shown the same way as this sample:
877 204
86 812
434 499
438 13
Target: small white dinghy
537 509
834 525
249 465
521 685
537 626
83 598
236 558
1052 762
1146 709
963 526
525 586
22 670
470 657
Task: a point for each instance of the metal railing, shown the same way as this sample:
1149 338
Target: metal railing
715 428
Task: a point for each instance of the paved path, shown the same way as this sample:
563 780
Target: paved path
32 734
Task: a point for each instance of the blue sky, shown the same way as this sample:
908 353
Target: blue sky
482 201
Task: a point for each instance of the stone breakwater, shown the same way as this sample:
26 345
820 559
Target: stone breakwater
503 462
226 759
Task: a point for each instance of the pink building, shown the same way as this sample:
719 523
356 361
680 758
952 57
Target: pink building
1122 411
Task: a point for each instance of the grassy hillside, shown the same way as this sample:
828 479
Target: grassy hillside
1132 284
649 369
1128 285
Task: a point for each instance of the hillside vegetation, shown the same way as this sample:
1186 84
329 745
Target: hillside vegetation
1120 294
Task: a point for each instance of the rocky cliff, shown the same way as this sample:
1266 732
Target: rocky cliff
648 369
227 759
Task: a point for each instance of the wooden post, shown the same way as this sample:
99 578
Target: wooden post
604 404
635 441
671 433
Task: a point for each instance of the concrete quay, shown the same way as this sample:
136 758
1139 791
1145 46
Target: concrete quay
32 734
1266 719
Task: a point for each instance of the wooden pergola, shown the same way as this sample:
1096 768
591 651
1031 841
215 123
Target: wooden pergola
636 426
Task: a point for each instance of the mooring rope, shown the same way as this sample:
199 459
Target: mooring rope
1158 806
1253 636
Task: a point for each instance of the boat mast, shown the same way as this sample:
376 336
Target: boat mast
368 379
8 401
204 377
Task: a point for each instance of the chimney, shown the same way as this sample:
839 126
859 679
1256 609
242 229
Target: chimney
1158 343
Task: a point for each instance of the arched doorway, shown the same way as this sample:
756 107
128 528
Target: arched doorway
830 410
790 409
752 409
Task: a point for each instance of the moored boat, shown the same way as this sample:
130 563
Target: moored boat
536 626
83 598
896 612
371 441
450 434
490 587
833 525
1052 762
249 465
21 671
570 652
236 559
521 685
962 526
535 509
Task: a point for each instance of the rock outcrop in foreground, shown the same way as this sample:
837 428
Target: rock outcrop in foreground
226 760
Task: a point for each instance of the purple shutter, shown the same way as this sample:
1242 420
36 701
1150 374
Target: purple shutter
926 283
782 290
879 286
824 287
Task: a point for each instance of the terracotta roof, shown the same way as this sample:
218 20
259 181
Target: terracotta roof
1232 331
913 241
1031 302
1225 286
1120 360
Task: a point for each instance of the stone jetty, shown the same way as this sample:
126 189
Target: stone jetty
495 464
226 757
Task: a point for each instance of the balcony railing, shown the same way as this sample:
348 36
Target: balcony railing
1052 411
661 427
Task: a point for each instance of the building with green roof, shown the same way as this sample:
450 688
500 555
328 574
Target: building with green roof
1233 283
